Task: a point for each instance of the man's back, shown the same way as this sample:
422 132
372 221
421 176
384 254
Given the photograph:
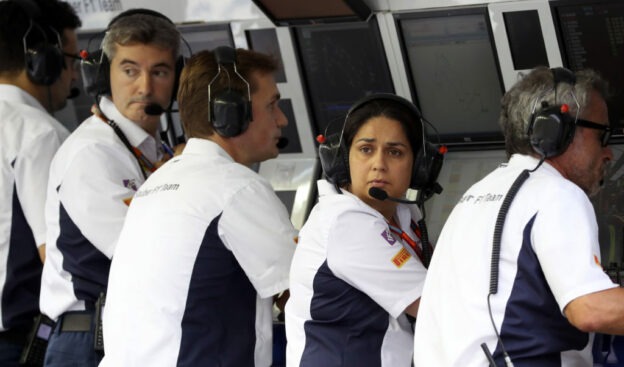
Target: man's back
194 271
549 223
29 136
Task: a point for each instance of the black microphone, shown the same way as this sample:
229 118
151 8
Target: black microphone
380 194
282 142
73 93
154 109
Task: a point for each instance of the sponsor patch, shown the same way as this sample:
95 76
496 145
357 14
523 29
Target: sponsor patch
401 258
130 184
387 235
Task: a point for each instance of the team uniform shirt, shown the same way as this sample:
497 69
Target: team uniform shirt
93 177
549 256
29 137
205 246
350 282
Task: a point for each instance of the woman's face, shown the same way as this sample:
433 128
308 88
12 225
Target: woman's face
380 156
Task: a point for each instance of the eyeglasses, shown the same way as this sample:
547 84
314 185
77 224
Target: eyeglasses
606 130
77 59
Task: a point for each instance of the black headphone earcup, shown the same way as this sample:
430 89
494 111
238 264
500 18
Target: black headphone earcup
230 113
550 131
427 165
44 64
95 74
335 160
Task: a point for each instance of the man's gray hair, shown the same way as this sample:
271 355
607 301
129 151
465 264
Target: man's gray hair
518 104
141 29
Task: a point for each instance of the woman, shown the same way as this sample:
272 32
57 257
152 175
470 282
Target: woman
356 271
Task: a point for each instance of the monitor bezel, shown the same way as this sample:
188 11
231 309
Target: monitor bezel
454 141
618 135
296 35
361 12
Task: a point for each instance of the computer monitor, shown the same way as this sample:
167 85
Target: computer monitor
265 41
340 64
454 73
591 35
526 40
206 36
298 12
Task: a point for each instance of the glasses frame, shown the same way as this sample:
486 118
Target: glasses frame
606 130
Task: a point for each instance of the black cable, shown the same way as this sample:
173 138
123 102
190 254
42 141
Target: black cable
496 244
427 250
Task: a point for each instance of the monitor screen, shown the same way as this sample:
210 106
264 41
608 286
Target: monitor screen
265 41
454 74
292 12
591 35
206 36
340 64
526 41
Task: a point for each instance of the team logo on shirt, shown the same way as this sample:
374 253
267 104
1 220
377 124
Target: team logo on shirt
387 235
130 184
597 261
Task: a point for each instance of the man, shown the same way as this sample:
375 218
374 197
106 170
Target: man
548 291
95 174
207 243
29 137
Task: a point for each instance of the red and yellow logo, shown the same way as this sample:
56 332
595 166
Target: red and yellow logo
401 258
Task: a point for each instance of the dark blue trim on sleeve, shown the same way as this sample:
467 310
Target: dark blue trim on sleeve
20 294
88 266
533 331
347 326
218 327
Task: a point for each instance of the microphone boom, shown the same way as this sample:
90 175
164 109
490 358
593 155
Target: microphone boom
382 195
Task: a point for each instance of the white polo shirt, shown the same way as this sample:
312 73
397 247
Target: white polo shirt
29 137
549 256
92 178
205 246
350 282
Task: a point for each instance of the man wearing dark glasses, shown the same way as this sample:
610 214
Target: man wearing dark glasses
516 274
35 80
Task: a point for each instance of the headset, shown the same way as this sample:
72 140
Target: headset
43 62
334 154
229 110
95 67
551 128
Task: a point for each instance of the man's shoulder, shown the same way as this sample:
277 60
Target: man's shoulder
92 133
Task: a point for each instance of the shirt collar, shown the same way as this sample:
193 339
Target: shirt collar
149 145
529 162
205 147
402 213
12 93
